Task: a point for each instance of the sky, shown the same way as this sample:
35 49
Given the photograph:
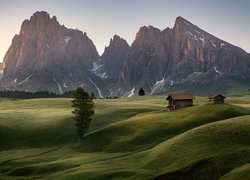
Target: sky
102 19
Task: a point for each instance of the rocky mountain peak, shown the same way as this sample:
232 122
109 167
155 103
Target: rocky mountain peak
115 38
146 35
147 32
113 57
182 25
182 21
40 16
117 42
117 47
37 23
48 56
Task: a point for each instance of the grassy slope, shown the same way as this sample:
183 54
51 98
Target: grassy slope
47 122
147 130
242 172
36 123
130 138
221 145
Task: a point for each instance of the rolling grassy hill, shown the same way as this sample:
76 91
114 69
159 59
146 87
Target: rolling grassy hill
132 138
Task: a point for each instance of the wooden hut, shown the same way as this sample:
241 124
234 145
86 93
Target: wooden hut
178 101
216 99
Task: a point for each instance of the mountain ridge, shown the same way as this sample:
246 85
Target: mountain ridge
183 53
61 59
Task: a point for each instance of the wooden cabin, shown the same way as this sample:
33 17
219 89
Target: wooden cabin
216 99
178 101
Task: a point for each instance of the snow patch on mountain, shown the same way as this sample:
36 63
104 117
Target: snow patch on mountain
213 43
203 41
98 89
59 86
96 67
159 82
198 73
104 75
197 31
195 38
98 70
215 69
222 45
157 85
132 92
189 33
67 39
171 82
186 22
23 81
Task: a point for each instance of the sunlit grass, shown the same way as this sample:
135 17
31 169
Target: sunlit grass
130 138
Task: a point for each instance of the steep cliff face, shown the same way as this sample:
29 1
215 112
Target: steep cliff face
114 56
48 56
146 61
195 50
108 67
160 60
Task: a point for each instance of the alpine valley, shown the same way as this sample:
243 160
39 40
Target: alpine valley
48 56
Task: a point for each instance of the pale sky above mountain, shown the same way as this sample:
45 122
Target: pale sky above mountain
101 19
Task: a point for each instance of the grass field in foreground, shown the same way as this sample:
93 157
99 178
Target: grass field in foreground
131 138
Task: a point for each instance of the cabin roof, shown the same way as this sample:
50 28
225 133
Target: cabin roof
215 95
180 96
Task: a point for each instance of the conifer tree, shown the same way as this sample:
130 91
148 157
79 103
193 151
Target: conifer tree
83 112
141 92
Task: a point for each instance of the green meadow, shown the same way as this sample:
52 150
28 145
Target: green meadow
130 138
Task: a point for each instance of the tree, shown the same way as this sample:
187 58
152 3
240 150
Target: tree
141 92
83 112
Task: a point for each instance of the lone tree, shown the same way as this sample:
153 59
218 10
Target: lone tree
141 92
83 110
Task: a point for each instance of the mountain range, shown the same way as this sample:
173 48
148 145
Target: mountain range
48 56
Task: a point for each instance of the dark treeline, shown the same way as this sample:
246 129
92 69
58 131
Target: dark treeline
42 94
38 94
